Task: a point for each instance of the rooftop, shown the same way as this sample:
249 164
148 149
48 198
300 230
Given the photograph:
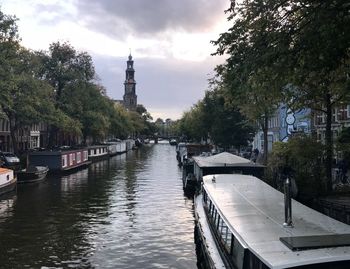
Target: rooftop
254 211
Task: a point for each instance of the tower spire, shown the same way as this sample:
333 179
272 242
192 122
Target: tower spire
130 57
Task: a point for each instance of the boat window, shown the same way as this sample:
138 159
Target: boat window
210 207
216 214
71 159
64 160
228 241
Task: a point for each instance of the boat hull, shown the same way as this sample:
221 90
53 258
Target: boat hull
8 181
32 176
8 187
208 255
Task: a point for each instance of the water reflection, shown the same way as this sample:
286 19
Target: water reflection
125 212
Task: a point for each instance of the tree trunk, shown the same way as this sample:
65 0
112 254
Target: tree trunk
13 136
52 136
265 130
329 142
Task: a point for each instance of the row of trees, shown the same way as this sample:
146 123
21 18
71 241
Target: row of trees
291 51
58 87
215 119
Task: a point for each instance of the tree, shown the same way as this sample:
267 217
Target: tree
319 60
192 123
226 125
63 67
300 42
24 99
250 74
121 125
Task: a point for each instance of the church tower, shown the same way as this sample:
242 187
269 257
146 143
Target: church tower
130 97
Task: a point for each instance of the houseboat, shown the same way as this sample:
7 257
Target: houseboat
98 152
130 144
112 148
116 147
60 160
8 180
240 223
225 163
185 151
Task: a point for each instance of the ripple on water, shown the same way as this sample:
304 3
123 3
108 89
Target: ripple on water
128 212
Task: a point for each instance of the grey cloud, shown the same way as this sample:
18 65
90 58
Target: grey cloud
149 17
51 14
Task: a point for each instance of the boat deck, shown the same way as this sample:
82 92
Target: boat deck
254 211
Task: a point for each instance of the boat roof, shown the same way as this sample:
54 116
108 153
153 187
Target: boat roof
223 159
254 211
97 146
4 170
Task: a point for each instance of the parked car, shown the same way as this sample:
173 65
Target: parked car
10 160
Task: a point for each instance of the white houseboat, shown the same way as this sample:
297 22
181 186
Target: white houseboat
116 147
8 180
222 163
240 223
225 163
98 152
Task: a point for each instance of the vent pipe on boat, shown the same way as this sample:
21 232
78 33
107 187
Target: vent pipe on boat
288 223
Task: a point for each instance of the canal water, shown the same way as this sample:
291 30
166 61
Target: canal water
126 212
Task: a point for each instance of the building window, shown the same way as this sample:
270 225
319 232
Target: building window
320 118
78 157
334 115
343 112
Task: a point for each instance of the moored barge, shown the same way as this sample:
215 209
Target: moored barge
242 218
98 152
60 160
222 163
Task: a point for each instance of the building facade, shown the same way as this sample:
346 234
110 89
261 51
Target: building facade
284 123
5 139
340 120
30 137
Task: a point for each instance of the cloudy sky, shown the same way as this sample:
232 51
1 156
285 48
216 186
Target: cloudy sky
169 41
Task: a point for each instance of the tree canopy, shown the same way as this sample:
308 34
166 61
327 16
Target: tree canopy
300 43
